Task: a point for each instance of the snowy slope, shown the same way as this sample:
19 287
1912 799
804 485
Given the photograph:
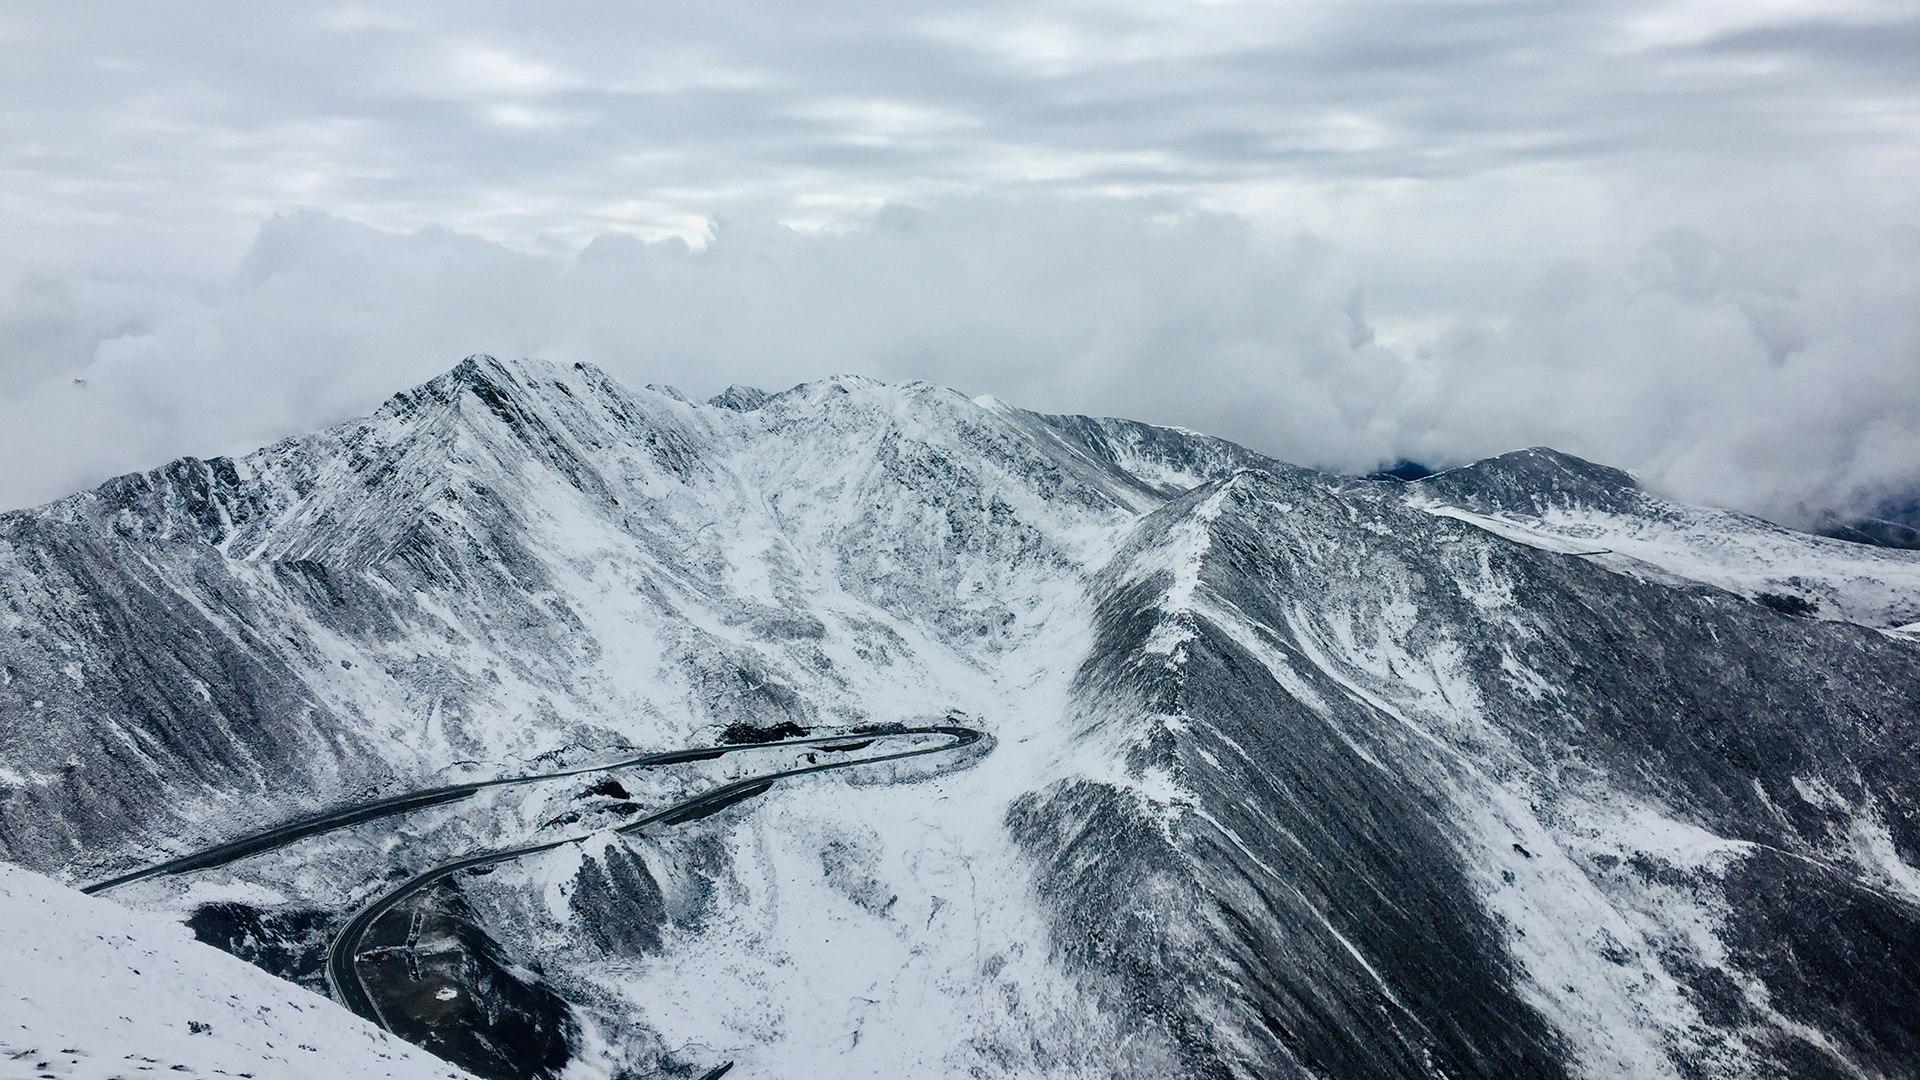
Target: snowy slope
93 989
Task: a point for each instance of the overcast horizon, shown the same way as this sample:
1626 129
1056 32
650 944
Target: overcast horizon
1680 238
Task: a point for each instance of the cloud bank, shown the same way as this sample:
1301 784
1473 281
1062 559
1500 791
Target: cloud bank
1781 378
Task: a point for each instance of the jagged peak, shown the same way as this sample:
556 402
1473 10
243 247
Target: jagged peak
1249 479
481 372
479 365
1205 504
862 393
486 368
1250 493
1171 547
739 398
1247 476
513 388
522 371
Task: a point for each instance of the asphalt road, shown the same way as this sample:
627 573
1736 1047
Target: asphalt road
342 953
281 835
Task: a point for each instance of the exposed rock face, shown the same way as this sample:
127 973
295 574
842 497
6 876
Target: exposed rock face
1513 770
291 942
619 901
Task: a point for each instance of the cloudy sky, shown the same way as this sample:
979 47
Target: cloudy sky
1679 237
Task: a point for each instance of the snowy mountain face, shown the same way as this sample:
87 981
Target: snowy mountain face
1514 770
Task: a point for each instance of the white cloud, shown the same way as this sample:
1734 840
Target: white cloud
1778 381
487 69
513 115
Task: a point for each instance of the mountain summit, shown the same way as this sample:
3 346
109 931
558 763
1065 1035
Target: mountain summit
1512 770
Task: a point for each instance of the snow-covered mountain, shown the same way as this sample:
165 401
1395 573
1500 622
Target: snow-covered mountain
1290 774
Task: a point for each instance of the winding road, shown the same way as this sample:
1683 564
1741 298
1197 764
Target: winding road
343 951
280 836
343 973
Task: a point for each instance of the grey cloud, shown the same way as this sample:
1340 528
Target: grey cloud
520 125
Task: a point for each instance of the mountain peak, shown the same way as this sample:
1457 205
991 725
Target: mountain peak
486 368
1533 479
476 365
489 377
845 383
740 398
1546 458
526 371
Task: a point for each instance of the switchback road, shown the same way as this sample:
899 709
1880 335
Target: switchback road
343 973
281 835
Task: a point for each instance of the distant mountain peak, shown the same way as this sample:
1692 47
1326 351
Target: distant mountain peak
1533 479
483 369
1893 522
740 398
479 365
490 378
1546 457
838 384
